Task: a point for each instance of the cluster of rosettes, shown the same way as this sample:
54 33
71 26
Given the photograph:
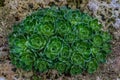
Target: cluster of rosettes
59 38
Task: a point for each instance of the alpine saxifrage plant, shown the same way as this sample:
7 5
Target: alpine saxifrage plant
59 38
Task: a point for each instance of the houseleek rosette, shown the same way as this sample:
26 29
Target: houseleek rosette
46 28
29 26
53 48
51 11
26 60
106 48
97 40
41 65
23 60
85 18
62 28
18 44
100 57
94 51
92 66
80 46
73 16
75 69
87 55
95 25
83 31
65 53
106 37
77 59
36 41
59 38
61 67
70 37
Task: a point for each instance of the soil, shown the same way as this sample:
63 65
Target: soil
13 11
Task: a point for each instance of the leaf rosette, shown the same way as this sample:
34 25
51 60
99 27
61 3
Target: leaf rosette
36 41
46 28
76 69
53 47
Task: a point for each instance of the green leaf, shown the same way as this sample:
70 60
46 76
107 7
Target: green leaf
53 47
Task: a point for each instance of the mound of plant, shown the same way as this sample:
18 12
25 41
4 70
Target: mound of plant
63 39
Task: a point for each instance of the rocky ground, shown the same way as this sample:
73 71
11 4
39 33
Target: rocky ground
106 11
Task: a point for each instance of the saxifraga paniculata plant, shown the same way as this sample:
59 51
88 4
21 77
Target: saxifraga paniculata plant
59 38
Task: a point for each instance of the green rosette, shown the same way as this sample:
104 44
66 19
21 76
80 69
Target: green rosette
75 70
106 37
92 66
29 26
17 44
46 28
80 46
97 41
65 53
64 10
23 60
70 37
87 55
85 18
63 28
48 18
41 65
100 57
94 51
61 67
73 16
106 48
95 25
36 41
53 48
27 60
83 31
17 28
51 11
77 59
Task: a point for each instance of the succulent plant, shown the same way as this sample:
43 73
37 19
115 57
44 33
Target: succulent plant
59 38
